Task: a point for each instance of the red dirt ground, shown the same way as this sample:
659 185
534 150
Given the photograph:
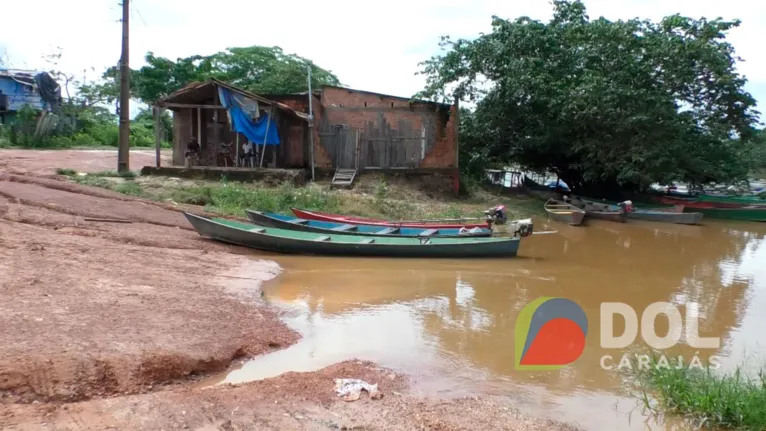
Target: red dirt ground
45 162
106 325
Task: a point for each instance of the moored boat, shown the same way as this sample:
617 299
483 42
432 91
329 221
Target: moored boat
293 223
667 215
428 224
697 204
733 200
742 213
564 212
291 241
599 211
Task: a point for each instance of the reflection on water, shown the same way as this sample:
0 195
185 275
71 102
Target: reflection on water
451 322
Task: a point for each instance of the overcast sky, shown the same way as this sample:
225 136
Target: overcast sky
369 46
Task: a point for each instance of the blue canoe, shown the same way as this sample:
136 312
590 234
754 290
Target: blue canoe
289 222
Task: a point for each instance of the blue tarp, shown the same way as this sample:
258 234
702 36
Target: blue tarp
241 113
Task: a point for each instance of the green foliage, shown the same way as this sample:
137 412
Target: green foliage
130 188
94 126
714 401
259 69
604 104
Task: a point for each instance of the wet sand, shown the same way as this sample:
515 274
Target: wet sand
109 326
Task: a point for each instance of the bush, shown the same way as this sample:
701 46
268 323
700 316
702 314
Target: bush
94 126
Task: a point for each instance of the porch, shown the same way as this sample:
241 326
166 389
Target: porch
234 128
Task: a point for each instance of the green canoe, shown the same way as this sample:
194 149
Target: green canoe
732 200
744 213
289 241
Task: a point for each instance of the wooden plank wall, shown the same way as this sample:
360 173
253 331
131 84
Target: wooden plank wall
381 144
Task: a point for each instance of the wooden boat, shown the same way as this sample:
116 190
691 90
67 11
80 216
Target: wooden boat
742 213
733 200
615 216
667 215
291 241
599 211
697 204
564 212
292 223
426 224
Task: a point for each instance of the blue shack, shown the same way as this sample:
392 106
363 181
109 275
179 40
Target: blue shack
23 87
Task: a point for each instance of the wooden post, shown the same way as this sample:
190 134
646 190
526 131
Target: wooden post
265 136
199 128
236 162
311 125
157 135
356 162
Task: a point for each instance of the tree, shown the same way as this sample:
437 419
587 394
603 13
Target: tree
261 70
607 105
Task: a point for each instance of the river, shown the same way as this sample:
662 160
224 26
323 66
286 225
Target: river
450 323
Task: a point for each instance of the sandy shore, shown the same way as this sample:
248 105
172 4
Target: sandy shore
107 325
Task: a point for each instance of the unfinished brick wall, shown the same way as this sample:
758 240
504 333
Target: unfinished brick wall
444 153
358 109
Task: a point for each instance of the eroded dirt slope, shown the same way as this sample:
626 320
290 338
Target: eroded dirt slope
102 325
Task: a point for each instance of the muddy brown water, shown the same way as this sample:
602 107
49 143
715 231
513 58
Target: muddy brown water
450 323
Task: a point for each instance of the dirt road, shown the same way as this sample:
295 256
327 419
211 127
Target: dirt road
45 162
106 325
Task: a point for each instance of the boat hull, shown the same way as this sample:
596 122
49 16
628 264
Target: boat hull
739 201
673 214
304 225
745 214
615 216
700 205
337 218
666 216
296 242
564 213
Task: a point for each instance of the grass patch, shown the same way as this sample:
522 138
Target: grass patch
130 188
713 401
66 171
379 200
232 198
114 174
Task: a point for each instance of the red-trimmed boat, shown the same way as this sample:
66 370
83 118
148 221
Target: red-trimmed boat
337 218
701 204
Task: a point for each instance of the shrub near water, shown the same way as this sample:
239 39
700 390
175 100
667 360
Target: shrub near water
729 401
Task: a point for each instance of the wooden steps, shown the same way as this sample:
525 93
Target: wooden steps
343 178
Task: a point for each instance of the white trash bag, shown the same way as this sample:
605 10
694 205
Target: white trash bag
351 389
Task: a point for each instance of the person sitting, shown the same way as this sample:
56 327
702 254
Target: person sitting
248 153
192 152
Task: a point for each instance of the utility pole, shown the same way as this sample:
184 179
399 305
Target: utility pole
123 153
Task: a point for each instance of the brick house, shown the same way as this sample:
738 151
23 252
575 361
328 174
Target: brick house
363 130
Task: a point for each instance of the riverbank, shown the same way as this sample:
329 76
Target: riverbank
372 195
108 325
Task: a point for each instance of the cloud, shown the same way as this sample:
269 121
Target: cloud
371 46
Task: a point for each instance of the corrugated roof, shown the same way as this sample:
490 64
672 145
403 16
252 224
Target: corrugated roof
195 86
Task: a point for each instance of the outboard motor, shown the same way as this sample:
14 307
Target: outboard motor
627 206
497 215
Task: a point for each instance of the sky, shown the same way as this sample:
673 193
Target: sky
369 46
